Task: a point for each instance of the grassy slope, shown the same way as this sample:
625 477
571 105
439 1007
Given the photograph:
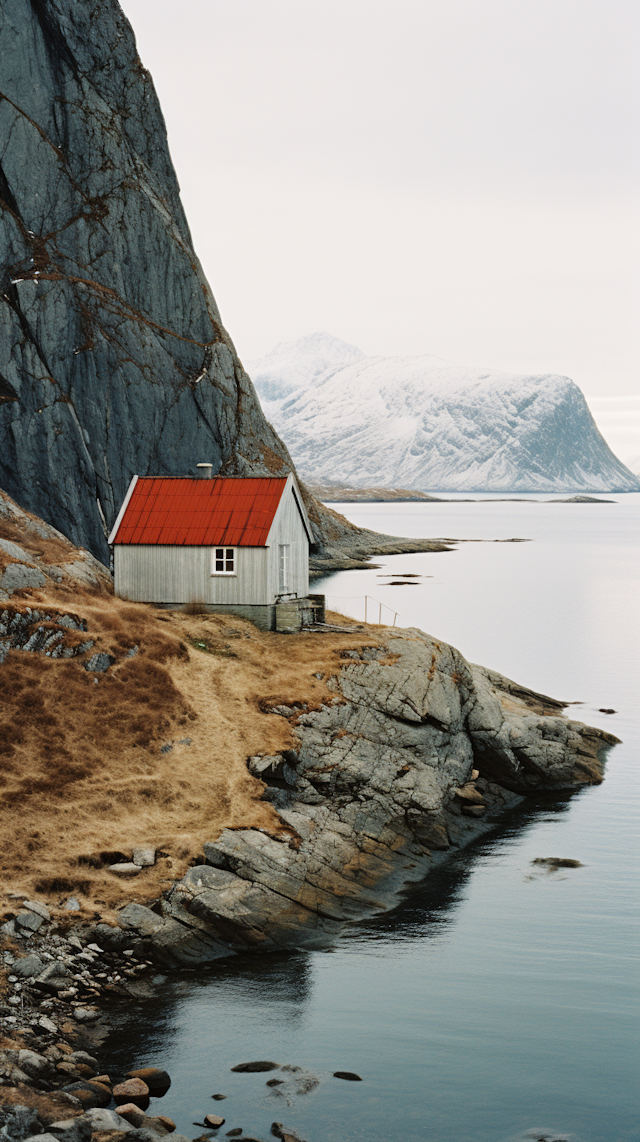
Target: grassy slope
81 763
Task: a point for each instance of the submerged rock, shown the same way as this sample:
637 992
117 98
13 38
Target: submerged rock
253 1068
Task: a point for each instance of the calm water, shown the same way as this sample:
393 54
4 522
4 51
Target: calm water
497 1003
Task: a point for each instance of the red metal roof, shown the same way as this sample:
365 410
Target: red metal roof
235 512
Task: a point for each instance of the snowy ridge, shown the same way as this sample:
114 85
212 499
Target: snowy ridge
419 422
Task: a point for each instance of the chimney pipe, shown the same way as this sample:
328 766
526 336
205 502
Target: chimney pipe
207 471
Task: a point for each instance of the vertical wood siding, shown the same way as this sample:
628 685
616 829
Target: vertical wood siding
287 527
162 574
169 574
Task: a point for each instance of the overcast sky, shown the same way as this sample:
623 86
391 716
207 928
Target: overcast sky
456 177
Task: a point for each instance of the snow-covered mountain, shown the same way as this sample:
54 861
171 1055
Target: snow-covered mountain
419 422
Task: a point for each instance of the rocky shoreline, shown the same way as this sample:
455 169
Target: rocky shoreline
414 755
356 551
52 1086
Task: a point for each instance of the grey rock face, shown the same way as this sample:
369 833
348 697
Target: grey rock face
63 563
18 1122
25 630
99 663
416 751
113 359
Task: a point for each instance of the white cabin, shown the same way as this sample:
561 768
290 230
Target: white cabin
237 544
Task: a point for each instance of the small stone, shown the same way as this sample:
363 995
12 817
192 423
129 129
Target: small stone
274 1082
469 793
38 908
132 1114
90 1094
558 862
103 1120
86 1014
474 810
165 1121
67 1069
284 1134
28 966
213 1120
125 868
234 1133
145 857
85 1071
349 1075
219 1097
99 663
252 1068
155 1078
72 905
47 1024
29 920
132 1090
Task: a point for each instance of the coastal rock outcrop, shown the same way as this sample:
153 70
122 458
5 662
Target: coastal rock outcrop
416 752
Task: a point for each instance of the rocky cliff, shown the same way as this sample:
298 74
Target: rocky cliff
413 755
113 358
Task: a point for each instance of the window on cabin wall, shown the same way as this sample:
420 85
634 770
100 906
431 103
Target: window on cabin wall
223 561
283 566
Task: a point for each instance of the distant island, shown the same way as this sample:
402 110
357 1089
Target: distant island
341 494
419 422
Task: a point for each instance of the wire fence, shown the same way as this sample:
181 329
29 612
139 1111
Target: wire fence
370 607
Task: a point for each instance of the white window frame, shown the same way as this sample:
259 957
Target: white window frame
234 558
284 567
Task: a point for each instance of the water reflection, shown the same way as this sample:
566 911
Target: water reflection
276 984
429 907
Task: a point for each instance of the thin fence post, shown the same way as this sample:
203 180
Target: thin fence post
380 616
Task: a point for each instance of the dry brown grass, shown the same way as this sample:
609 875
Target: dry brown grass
83 776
